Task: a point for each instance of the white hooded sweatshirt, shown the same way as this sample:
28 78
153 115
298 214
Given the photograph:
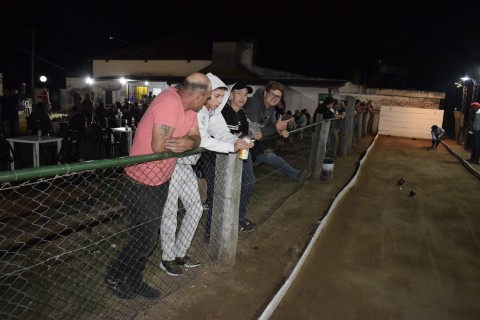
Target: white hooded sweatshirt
214 133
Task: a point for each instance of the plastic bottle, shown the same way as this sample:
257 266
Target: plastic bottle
126 124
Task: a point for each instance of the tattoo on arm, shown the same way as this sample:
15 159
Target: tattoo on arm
165 129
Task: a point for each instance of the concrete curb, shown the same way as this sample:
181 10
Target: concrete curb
462 161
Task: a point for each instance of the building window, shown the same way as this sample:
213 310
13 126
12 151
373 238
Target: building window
141 93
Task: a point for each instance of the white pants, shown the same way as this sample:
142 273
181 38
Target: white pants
183 186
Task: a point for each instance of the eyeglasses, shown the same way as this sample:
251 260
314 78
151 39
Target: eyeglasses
274 96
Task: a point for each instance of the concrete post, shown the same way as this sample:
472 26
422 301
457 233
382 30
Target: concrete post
318 148
226 203
360 126
346 134
365 116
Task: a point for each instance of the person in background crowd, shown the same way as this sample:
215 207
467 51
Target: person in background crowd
100 113
169 124
9 106
371 116
260 108
308 116
215 136
280 108
302 120
296 115
76 120
76 131
438 134
39 120
45 99
475 155
356 121
128 114
87 108
325 110
336 126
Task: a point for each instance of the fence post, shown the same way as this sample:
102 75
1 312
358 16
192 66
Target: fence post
347 128
226 203
365 116
376 122
360 127
318 148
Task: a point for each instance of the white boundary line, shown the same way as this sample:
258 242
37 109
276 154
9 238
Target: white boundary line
283 290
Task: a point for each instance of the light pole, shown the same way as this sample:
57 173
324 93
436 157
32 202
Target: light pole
467 122
475 87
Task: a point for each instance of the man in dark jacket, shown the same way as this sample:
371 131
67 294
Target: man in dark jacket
39 120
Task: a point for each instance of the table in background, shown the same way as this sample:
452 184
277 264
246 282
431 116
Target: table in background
35 142
129 134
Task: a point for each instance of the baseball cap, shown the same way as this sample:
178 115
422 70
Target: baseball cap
476 104
242 85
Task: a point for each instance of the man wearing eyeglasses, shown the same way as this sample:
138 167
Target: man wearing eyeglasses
261 108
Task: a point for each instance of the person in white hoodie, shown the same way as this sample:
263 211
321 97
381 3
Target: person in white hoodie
215 136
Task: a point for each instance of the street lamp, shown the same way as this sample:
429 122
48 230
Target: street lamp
43 79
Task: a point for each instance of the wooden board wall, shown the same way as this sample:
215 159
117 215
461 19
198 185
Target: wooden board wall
408 122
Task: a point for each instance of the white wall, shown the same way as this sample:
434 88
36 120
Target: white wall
298 98
408 122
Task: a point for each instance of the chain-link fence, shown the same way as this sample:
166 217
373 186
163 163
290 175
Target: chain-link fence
62 228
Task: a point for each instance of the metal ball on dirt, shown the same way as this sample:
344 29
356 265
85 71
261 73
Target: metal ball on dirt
401 181
412 193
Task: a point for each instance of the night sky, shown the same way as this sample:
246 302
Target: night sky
436 44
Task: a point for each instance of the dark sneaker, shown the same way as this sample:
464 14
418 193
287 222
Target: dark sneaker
171 268
187 262
147 292
119 288
246 225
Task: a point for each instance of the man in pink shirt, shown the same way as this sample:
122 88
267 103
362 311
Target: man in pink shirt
169 125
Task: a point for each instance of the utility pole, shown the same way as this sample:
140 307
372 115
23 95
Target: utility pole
464 97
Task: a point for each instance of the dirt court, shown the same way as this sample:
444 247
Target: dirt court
381 253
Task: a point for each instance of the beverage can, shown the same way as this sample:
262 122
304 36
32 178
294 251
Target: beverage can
243 153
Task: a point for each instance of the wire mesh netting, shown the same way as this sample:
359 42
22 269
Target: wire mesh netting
64 238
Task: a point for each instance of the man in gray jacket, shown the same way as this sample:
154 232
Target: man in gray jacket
260 108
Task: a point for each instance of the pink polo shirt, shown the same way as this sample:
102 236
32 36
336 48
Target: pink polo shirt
166 109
